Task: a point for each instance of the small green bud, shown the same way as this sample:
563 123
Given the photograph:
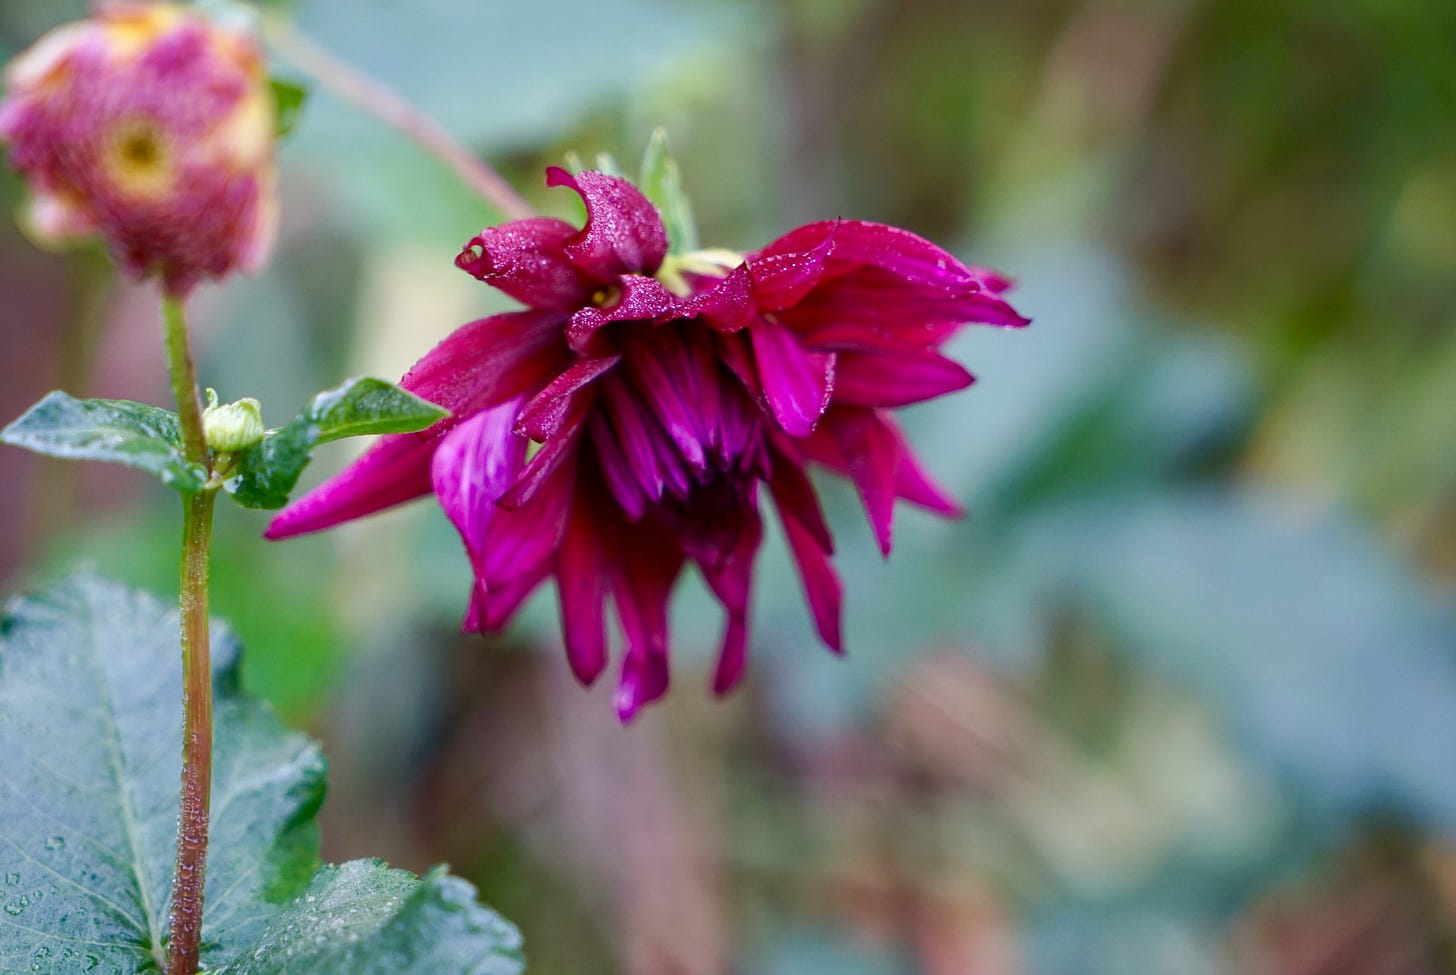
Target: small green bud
232 427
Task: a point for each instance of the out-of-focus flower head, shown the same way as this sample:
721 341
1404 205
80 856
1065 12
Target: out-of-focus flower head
152 127
626 422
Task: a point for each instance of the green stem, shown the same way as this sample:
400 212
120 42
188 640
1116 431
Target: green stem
189 877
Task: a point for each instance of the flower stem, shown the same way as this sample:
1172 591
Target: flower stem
356 87
189 876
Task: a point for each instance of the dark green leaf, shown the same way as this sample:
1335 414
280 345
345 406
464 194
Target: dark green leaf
90 721
266 474
116 431
661 182
288 99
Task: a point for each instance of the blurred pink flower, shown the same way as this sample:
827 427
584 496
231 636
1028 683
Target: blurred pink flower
152 127
662 393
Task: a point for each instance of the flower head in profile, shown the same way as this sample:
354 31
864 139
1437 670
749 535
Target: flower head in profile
639 411
153 128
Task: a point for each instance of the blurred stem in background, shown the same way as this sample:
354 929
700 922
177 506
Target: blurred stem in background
359 89
189 876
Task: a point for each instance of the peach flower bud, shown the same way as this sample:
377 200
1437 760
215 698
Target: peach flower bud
152 127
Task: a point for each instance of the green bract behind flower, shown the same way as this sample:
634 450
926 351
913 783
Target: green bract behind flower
153 128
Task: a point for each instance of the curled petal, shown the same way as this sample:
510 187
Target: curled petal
903 254
641 299
527 260
623 232
729 305
783 276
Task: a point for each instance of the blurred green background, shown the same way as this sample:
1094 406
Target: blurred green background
1178 696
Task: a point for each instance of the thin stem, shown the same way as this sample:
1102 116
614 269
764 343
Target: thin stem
356 87
189 877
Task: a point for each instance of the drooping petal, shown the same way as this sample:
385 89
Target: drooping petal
887 379
731 580
641 299
623 232
647 569
550 459
869 455
617 470
581 573
822 587
543 416
915 485
490 610
490 361
394 470
527 260
797 383
796 498
732 655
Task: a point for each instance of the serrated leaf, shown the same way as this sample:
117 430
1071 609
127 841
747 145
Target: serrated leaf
110 430
266 474
90 727
90 722
660 180
288 100
363 918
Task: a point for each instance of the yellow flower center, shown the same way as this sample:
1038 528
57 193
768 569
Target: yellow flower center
137 158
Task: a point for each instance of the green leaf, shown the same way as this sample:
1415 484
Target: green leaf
661 182
90 721
288 99
267 474
116 431
360 407
362 918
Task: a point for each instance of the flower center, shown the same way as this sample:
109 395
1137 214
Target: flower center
137 158
607 298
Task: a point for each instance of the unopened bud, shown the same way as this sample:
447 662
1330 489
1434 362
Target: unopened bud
231 428
150 126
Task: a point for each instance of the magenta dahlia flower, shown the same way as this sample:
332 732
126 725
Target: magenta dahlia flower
622 425
151 127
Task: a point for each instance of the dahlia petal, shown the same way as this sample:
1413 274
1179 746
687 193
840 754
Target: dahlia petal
795 497
665 376
492 609
822 587
542 417
527 260
623 232
642 299
915 485
871 452
521 538
733 655
475 464
635 436
621 478
489 361
580 586
729 306
548 460
640 587
394 470
902 253
782 278
896 379
797 383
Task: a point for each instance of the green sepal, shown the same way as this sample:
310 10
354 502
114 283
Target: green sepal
661 182
288 100
266 474
112 430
